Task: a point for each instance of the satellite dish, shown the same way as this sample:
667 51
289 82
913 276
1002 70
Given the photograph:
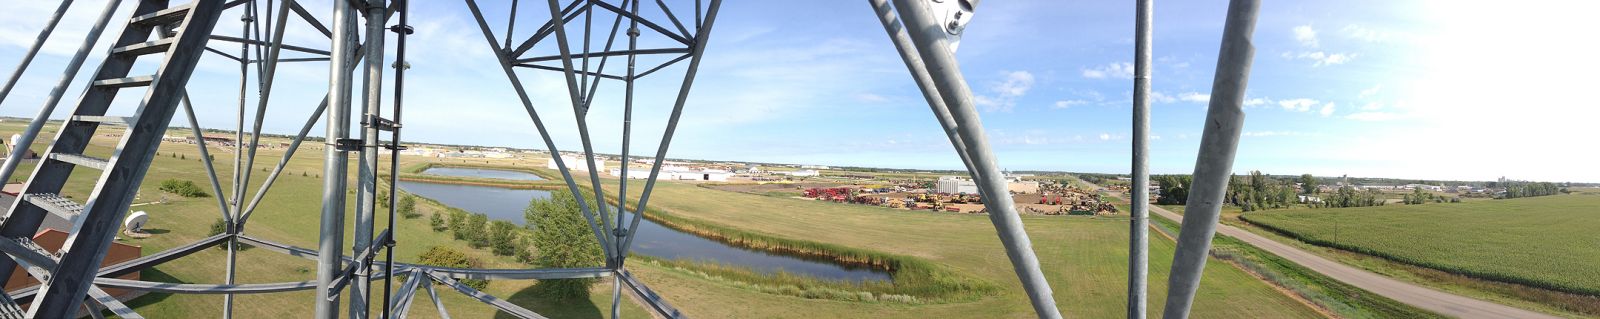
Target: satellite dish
135 222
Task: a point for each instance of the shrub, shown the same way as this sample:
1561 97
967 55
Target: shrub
503 238
477 231
458 224
183 188
218 227
446 257
563 240
524 254
437 221
407 207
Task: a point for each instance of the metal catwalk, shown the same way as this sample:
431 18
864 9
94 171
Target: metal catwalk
924 32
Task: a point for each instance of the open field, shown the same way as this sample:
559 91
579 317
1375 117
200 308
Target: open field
1517 295
287 215
1538 241
1085 257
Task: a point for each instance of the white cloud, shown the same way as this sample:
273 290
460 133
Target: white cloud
1320 58
1306 36
1373 116
1371 91
1257 102
1110 137
1121 70
1298 105
1069 103
1327 109
1005 93
1158 97
1372 106
1367 34
1194 97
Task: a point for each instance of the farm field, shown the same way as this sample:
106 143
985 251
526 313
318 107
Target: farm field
1538 241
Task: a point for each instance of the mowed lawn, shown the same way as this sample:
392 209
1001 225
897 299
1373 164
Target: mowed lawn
1547 241
1085 260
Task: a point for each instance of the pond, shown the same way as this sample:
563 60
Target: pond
653 239
482 173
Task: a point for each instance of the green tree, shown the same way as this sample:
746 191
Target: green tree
477 231
458 224
503 238
1174 189
437 221
563 240
1308 184
407 207
446 257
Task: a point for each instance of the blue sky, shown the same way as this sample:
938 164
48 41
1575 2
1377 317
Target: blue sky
1408 89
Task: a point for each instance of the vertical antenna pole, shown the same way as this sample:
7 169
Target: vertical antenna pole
330 245
1139 228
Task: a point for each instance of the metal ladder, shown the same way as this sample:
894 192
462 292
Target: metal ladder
183 32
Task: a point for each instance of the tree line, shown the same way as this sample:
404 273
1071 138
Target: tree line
1527 189
555 236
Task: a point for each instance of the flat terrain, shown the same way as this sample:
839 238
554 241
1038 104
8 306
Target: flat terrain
1085 260
1414 295
289 214
1546 242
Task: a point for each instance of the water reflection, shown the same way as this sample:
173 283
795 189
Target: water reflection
482 173
653 239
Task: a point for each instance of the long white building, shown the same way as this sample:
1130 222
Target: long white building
577 163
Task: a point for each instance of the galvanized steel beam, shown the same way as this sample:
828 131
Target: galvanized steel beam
27 58
491 300
929 36
336 160
1213 166
20 150
1139 225
95 229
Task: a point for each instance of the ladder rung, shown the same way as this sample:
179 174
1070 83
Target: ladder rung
38 261
80 160
144 48
55 204
142 80
9 308
103 119
167 15
28 243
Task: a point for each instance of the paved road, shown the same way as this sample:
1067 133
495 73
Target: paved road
1421 297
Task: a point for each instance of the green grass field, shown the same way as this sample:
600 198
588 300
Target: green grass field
1545 242
288 215
1085 258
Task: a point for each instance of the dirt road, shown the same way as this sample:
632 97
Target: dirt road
1421 297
